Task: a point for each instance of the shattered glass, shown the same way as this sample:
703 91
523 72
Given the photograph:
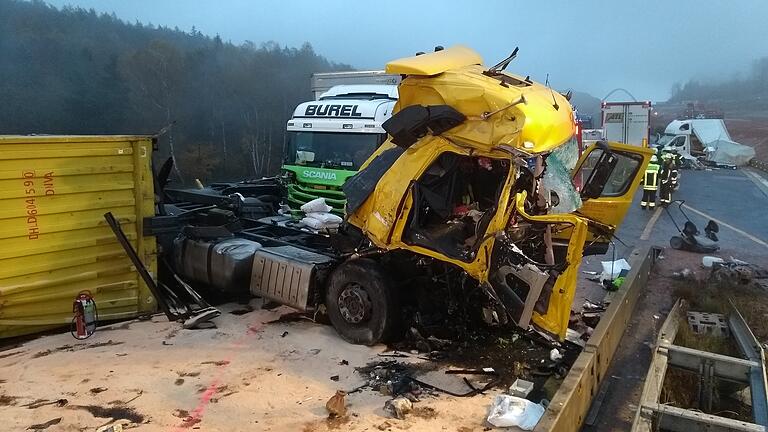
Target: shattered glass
568 153
557 177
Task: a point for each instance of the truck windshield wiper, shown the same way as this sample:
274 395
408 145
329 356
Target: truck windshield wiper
500 66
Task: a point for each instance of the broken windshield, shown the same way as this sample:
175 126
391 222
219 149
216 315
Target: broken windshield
342 150
665 139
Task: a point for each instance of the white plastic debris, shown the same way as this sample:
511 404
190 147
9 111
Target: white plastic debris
685 273
612 269
398 407
318 224
555 355
521 388
708 261
317 205
508 411
326 218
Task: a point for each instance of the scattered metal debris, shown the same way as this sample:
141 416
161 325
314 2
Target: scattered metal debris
46 425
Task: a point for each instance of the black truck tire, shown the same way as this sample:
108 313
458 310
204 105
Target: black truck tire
362 303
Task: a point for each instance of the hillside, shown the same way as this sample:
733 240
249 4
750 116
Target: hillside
587 104
73 71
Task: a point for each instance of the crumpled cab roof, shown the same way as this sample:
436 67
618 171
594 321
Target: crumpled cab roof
455 77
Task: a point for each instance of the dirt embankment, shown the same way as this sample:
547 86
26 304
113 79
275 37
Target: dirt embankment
751 131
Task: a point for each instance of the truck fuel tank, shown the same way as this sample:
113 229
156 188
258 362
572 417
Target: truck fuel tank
222 264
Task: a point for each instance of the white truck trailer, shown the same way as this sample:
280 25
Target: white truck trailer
627 122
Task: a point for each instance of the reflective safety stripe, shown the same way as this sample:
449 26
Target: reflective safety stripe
651 181
651 178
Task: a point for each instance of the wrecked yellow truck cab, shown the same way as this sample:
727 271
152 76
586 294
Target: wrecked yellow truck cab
476 176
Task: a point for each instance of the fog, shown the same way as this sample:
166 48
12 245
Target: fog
593 46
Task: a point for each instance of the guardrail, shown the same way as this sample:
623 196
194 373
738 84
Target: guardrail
652 415
568 408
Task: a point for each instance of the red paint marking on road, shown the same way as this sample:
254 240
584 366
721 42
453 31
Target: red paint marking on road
196 415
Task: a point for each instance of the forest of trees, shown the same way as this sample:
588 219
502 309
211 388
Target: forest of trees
73 71
753 89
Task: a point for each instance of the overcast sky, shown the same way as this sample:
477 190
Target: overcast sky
594 46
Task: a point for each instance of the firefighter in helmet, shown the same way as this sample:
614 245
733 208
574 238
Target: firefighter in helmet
650 183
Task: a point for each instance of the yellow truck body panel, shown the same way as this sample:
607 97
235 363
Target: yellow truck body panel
54 241
508 118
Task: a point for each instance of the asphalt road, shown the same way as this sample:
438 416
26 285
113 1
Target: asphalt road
729 196
732 197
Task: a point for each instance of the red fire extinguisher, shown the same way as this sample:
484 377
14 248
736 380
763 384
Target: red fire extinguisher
86 316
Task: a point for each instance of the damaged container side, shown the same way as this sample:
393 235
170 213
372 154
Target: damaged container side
54 242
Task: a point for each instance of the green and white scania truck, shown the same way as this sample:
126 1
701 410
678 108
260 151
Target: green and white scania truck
331 136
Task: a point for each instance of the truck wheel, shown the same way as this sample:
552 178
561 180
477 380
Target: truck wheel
676 242
361 302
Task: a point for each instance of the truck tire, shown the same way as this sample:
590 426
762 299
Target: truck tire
362 303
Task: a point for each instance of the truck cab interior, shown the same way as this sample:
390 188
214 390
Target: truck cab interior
454 200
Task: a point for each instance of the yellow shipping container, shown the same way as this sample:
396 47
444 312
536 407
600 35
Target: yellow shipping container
54 241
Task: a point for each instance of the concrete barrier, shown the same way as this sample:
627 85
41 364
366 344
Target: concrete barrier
569 406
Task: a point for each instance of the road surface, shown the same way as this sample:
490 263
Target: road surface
739 202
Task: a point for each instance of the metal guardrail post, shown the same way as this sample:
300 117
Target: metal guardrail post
751 348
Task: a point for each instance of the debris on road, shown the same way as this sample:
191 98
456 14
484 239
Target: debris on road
690 239
46 425
714 324
736 271
521 388
708 261
555 355
614 269
512 411
337 404
398 407
117 426
176 298
684 274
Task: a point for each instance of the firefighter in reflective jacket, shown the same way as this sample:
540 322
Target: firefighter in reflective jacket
674 174
665 191
650 183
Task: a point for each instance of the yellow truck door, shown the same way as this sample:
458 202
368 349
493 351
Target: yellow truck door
610 174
